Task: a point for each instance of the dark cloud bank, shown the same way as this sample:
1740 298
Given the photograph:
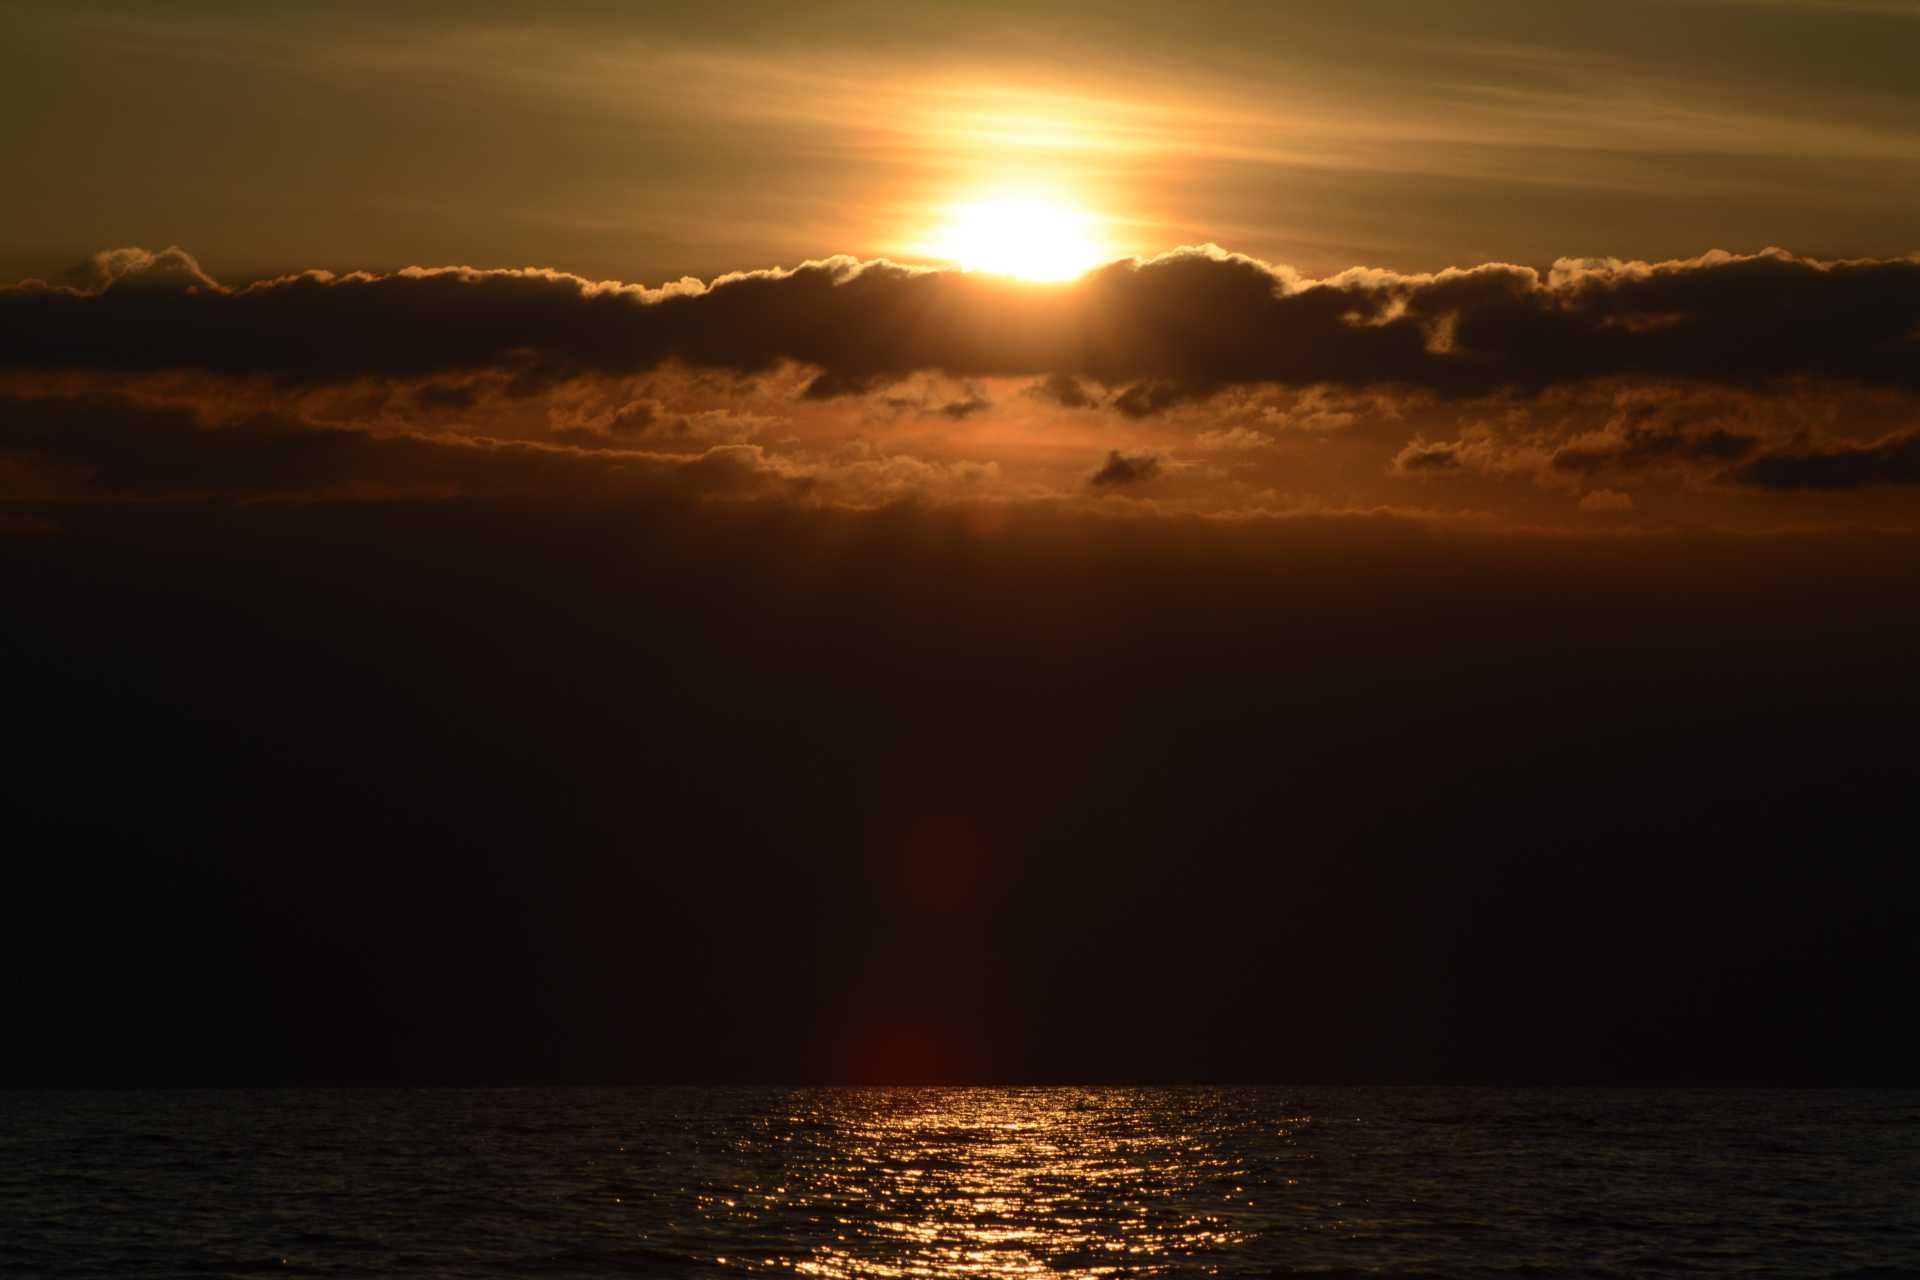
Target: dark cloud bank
586 781
1164 329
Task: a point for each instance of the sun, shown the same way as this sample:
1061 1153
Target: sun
1019 236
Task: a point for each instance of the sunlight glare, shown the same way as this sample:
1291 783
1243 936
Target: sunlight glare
1019 236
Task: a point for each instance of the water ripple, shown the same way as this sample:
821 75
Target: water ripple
959 1182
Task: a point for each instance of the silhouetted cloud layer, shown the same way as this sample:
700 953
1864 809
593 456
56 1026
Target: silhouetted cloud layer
1199 383
1641 446
1894 460
1157 331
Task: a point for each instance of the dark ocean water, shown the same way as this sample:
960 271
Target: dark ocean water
959 1182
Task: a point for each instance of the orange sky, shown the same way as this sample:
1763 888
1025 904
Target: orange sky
645 142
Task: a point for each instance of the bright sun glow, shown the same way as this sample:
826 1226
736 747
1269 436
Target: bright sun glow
1015 236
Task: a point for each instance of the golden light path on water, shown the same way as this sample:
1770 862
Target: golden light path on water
932 1183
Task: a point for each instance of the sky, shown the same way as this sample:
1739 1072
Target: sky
640 143
972 542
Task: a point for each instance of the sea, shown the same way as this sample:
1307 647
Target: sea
948 1182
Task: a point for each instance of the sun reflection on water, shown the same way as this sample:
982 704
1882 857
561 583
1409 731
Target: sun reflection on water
933 1182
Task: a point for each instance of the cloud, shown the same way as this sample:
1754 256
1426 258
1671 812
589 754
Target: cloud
1638 447
831 385
1147 398
1161 330
135 271
1607 500
116 447
1481 450
637 424
629 388
1122 471
1232 440
632 419
1064 391
965 407
932 400
132 449
1894 460
445 395
1805 437
1420 455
